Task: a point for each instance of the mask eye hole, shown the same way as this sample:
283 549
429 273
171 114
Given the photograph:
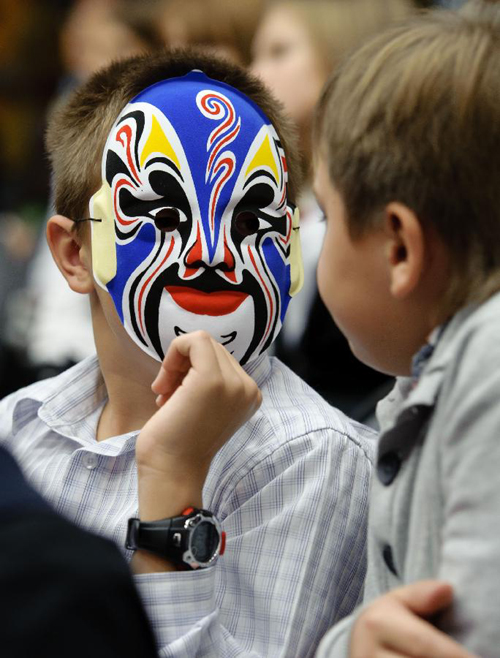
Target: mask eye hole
247 223
167 220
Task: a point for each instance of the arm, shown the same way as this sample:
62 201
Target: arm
466 426
204 396
469 421
395 626
294 564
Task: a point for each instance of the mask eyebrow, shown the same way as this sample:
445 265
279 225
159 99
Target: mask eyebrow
258 196
258 174
166 186
167 162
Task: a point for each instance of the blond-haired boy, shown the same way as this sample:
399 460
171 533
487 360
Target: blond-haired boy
408 171
183 159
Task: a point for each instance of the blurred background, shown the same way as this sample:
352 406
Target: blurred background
47 47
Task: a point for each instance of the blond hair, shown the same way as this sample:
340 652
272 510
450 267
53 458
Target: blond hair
337 26
414 116
79 126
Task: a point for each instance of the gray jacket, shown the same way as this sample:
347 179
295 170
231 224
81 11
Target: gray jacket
435 499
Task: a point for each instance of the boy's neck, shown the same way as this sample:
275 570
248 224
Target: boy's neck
128 374
130 404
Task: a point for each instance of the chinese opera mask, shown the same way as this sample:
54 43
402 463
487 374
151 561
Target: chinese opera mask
196 229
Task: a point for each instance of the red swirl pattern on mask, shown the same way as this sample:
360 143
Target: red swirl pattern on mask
218 107
126 131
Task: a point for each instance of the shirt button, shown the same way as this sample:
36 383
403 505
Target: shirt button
90 460
388 559
388 467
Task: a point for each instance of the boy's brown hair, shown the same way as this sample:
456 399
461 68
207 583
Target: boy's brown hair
414 116
79 126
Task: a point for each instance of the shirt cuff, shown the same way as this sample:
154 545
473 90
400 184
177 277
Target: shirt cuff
176 601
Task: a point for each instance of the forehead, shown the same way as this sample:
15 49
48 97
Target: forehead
204 117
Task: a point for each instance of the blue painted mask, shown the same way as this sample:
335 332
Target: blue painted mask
197 231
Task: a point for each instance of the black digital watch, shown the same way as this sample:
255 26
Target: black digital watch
194 539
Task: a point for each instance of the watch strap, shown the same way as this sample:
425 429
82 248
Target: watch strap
163 537
171 538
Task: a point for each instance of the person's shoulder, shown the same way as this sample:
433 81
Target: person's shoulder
24 403
472 342
57 581
293 410
462 379
483 323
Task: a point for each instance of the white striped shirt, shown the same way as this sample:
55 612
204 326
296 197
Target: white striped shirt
290 488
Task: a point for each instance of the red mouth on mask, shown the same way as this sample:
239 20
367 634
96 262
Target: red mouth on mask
221 302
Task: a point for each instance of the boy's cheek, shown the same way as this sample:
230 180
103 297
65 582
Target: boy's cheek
323 280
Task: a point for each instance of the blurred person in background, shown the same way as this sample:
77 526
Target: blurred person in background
223 27
95 33
29 73
49 326
297 45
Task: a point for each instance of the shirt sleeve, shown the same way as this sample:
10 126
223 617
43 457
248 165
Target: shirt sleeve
469 422
335 644
294 564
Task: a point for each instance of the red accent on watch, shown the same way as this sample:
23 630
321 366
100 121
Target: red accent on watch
222 543
188 511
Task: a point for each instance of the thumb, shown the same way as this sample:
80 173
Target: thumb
425 597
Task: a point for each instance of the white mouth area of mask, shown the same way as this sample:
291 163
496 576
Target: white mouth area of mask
221 328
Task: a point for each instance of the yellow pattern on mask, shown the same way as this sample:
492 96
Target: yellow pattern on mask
264 158
157 142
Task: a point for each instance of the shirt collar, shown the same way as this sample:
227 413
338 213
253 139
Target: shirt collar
259 369
72 408
424 354
79 394
428 367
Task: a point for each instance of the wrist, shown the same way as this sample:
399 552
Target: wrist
191 540
144 562
156 463
161 497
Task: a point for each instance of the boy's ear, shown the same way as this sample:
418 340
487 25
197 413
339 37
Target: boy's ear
406 249
70 253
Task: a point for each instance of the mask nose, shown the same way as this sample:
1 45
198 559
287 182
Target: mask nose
198 257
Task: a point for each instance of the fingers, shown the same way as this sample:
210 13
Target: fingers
196 350
425 597
232 370
212 362
393 625
416 637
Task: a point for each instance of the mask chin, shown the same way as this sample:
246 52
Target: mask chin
235 330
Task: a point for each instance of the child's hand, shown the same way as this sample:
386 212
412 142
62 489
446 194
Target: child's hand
204 396
393 625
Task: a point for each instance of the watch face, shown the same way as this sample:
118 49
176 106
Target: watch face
204 541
